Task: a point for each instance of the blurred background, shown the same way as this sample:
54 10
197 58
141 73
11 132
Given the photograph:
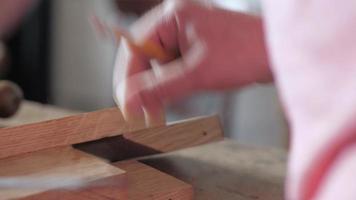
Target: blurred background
56 58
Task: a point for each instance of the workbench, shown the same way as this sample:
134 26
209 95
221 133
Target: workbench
222 170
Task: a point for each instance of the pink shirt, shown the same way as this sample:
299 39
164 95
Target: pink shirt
312 44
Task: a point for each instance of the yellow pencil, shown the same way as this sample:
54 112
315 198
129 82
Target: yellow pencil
148 48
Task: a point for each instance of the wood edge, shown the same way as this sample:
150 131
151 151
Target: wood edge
114 187
216 131
192 119
109 175
126 135
15 150
52 120
184 188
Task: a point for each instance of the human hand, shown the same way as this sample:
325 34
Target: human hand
213 49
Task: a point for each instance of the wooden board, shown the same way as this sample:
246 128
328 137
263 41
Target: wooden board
147 183
101 124
31 112
87 173
179 135
63 161
227 170
223 170
61 132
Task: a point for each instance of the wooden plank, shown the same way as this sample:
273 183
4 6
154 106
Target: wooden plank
175 136
31 112
147 183
97 190
62 132
227 170
46 171
179 135
113 191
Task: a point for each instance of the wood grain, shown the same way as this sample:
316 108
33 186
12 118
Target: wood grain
227 170
178 135
223 170
61 132
112 190
95 176
147 183
31 112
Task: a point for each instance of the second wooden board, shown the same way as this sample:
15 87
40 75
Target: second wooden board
49 173
147 183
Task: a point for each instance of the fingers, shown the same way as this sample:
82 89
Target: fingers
152 88
127 64
136 86
142 94
153 108
139 105
132 77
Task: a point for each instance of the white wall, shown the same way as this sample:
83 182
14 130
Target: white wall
81 63
259 117
257 112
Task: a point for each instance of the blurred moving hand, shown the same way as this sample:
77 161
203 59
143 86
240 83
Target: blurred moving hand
211 48
11 13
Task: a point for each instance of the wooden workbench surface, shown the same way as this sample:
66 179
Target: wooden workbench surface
223 170
227 170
